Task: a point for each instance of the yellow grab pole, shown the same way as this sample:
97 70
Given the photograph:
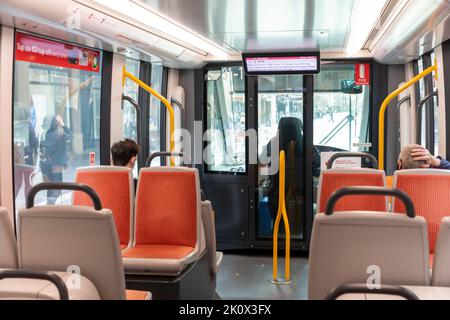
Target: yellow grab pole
386 103
166 103
281 213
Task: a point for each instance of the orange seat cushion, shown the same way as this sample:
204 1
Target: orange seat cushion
332 181
157 252
113 189
429 194
136 295
123 246
166 209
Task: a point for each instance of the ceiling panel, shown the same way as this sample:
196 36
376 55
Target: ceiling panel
262 25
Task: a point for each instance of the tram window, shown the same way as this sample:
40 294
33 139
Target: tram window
423 113
129 112
155 113
225 121
131 90
435 124
341 117
56 117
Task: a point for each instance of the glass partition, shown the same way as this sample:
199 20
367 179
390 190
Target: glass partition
56 114
280 123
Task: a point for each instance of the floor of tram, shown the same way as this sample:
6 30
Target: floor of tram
245 277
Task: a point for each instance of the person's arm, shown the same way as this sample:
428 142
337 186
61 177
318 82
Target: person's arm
422 154
444 164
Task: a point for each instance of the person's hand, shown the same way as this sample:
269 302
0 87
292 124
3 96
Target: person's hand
422 154
60 120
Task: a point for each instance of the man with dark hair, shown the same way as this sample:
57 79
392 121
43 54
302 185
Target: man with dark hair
124 153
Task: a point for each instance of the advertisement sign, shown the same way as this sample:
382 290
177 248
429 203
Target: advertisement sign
39 50
362 74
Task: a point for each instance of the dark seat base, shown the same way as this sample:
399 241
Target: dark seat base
194 283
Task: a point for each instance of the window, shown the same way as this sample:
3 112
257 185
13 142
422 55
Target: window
56 114
423 110
155 112
435 123
341 110
428 113
129 112
225 120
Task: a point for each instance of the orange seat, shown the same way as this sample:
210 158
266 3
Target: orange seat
115 188
138 295
157 252
167 221
335 179
428 189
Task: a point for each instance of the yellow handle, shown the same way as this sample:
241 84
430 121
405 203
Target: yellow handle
386 103
166 103
281 212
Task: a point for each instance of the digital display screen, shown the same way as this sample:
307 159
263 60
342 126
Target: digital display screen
300 63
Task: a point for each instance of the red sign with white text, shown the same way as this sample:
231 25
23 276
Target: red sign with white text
362 74
38 50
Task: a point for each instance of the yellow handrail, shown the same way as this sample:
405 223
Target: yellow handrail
281 212
386 103
166 103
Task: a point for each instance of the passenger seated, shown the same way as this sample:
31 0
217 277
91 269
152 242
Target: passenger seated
414 156
124 153
406 159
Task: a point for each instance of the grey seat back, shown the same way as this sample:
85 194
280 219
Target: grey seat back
57 237
361 247
8 245
441 273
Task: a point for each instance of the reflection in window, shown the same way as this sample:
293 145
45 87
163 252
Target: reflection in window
56 116
225 120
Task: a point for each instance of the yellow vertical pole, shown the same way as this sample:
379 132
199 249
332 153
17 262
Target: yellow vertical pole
281 213
143 85
386 103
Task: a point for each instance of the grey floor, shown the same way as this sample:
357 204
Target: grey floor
244 276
